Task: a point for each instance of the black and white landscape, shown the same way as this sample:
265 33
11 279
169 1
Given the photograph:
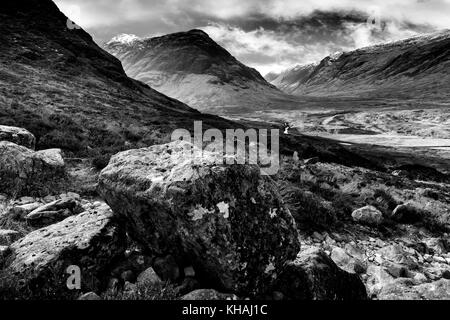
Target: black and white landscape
99 202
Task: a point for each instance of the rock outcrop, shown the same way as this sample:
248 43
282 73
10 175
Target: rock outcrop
226 221
23 170
90 241
18 136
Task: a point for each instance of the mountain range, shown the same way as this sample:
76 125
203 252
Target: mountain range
191 67
414 68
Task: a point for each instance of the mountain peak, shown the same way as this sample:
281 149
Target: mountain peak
124 38
198 32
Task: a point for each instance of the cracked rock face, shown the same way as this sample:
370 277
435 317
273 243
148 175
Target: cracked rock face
90 240
228 222
18 136
23 170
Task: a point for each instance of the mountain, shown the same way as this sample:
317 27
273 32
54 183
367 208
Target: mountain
192 68
418 67
71 94
289 80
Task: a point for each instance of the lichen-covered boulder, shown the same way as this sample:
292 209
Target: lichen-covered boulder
18 136
314 276
91 241
228 222
368 215
24 171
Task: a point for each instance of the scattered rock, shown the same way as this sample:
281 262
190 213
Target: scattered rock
49 199
378 278
26 200
148 278
147 188
23 170
53 212
208 294
406 289
189 271
19 136
406 213
90 240
368 215
21 211
396 253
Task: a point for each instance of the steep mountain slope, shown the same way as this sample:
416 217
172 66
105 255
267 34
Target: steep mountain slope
56 82
290 79
418 67
191 67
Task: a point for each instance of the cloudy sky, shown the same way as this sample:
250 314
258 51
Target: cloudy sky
270 35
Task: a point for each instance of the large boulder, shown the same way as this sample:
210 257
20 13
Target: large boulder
228 222
24 171
91 241
314 276
18 136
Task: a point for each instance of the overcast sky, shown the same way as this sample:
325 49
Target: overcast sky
270 35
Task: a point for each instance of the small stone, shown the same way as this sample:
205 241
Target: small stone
26 200
368 215
420 277
378 259
148 278
73 195
49 199
439 259
317 236
89 296
189 272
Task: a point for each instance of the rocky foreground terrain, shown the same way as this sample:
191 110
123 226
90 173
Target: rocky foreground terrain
159 227
335 223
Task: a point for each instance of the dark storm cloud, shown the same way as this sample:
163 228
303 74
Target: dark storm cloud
267 34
